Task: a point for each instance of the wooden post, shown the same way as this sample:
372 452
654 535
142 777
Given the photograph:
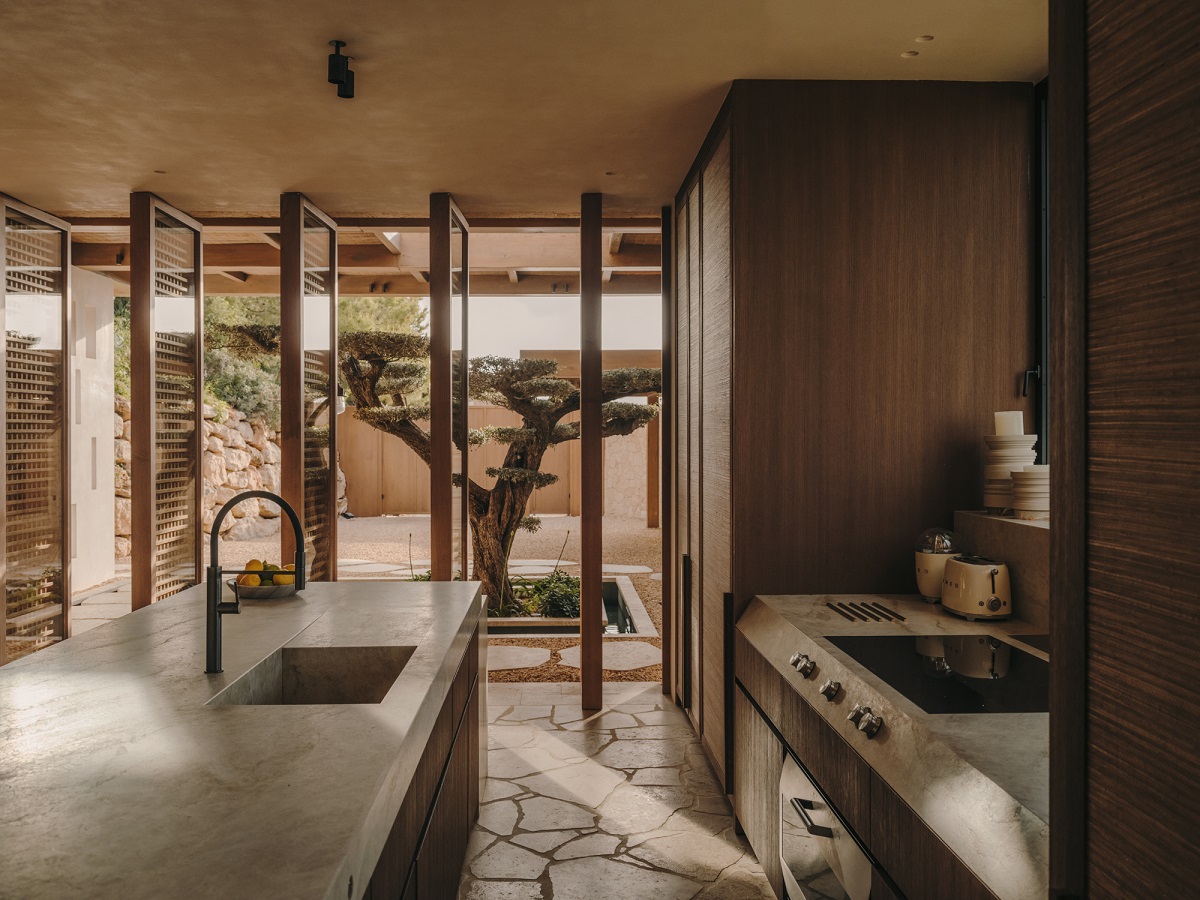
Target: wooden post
441 425
591 450
313 495
653 432
666 498
166 535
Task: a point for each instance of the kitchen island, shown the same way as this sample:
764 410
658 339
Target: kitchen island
120 778
952 803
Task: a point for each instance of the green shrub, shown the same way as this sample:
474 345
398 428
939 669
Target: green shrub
251 387
559 593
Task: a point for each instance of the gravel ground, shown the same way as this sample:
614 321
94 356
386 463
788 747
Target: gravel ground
387 540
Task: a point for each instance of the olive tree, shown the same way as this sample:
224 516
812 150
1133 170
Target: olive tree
383 371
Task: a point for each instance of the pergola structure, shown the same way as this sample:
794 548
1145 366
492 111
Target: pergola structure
392 257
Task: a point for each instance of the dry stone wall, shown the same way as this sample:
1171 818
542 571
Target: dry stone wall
239 455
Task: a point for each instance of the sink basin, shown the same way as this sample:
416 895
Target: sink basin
318 675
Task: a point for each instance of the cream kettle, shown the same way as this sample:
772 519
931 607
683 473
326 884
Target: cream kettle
976 587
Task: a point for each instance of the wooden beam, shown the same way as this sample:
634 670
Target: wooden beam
270 238
408 224
591 662
239 277
491 253
607 276
402 284
614 242
514 277
385 237
440 394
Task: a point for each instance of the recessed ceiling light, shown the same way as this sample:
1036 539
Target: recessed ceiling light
909 54
924 39
160 171
610 173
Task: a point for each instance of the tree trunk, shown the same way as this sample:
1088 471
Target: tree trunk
491 565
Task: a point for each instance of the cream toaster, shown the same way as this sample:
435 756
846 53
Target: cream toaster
976 588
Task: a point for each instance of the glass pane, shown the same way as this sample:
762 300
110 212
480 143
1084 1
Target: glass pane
318 375
175 370
33 304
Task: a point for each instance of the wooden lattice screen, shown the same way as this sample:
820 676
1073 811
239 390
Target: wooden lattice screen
166 311
308 316
35 431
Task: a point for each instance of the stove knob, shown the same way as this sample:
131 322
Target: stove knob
870 724
804 665
829 690
796 657
858 712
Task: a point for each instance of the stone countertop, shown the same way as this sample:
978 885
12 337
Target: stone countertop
117 780
979 781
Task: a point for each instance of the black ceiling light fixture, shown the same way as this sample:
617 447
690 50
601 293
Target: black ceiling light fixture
340 72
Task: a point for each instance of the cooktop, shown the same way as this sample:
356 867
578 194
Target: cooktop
961 674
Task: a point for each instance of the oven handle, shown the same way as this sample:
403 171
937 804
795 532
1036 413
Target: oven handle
802 807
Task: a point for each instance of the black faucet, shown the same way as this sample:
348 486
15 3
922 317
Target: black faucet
217 607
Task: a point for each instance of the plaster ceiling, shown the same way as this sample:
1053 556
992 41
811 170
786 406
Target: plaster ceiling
516 107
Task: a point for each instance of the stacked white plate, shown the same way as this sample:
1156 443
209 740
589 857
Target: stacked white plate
1005 454
1031 492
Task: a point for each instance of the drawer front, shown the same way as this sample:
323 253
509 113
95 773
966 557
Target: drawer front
913 856
842 774
840 771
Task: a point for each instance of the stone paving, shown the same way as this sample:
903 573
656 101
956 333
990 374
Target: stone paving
616 804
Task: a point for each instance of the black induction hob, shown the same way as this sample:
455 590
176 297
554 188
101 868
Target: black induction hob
933 685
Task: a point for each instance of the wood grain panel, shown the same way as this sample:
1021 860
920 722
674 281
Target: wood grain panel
913 856
758 761
695 455
882 266
681 531
1143 443
1067 111
716 298
758 677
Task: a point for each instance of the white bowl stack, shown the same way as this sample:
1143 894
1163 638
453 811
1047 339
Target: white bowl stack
1004 455
1031 492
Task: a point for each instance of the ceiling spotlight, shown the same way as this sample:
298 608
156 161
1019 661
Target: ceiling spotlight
346 88
339 65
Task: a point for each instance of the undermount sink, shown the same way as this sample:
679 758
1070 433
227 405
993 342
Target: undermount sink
318 675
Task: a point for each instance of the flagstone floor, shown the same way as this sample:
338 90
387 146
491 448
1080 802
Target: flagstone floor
616 804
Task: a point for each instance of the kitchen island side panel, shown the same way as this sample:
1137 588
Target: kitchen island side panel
884 311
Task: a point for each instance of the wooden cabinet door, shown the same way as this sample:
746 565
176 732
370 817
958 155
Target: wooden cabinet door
439 861
716 358
757 763
913 856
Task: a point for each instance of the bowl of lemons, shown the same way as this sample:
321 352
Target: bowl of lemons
265 581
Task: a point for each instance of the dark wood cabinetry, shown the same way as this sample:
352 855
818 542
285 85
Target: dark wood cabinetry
770 719
424 852
756 770
853 299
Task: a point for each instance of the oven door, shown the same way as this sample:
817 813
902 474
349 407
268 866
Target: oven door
820 857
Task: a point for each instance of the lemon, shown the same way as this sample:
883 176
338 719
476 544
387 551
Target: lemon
285 579
249 580
255 565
